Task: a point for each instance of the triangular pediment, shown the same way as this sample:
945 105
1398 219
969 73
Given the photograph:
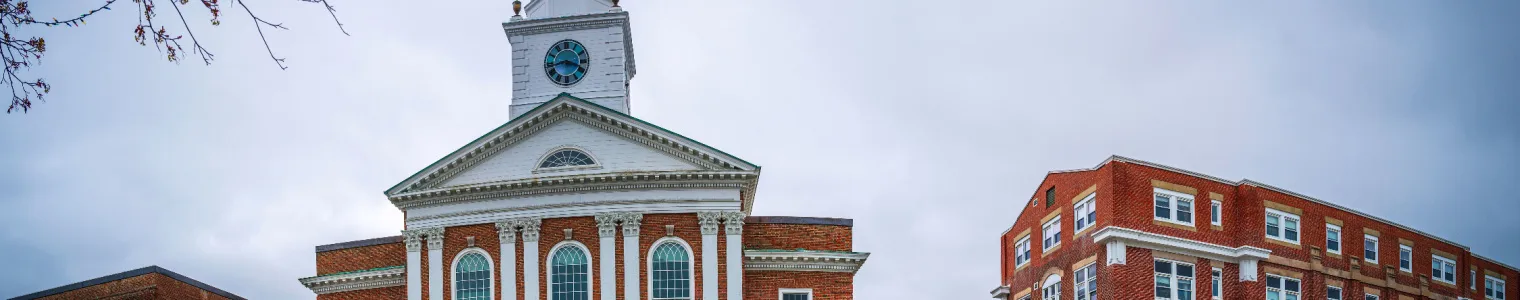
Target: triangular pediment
617 142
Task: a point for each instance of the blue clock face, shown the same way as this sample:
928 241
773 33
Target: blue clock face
566 62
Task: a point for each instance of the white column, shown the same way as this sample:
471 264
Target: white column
506 232
530 257
435 263
606 229
631 223
709 224
733 229
413 264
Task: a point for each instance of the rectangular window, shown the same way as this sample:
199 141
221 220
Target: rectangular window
796 294
1050 197
1333 293
1282 226
1021 252
1370 297
1493 288
1214 217
1370 248
1218 287
1052 232
1087 282
1332 238
1086 213
1406 257
1472 279
1283 288
1174 207
1443 269
1174 280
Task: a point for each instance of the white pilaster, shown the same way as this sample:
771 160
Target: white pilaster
413 264
606 229
435 263
506 232
709 223
631 257
530 257
1248 270
733 230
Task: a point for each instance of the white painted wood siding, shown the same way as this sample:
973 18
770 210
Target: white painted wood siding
606 78
613 153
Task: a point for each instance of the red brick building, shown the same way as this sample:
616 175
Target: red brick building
150 282
575 199
1130 229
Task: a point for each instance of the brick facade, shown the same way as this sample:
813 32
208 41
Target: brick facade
1125 200
140 284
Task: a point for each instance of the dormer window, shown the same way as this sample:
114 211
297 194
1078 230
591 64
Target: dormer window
566 157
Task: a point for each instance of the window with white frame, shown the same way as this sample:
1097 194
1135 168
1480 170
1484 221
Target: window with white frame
1370 248
1086 283
1025 297
1370 297
1472 279
1493 288
1406 257
1332 238
1282 226
1052 233
1174 207
1174 280
1283 288
1443 269
1086 213
1333 293
1052 288
796 294
1021 252
1214 213
1218 287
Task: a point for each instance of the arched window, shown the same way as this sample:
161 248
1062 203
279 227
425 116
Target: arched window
472 276
1051 290
569 274
568 157
670 270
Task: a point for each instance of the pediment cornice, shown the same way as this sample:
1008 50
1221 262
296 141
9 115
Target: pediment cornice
744 180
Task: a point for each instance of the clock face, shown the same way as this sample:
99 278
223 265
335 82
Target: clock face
566 62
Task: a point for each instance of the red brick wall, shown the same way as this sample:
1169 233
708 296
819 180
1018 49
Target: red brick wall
795 236
686 228
456 240
361 258
766 285
146 286
390 293
1073 247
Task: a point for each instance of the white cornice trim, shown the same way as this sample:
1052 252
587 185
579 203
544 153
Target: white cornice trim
362 280
1178 245
805 261
1000 292
577 184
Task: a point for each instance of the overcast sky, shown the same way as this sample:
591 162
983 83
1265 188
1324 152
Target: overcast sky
925 121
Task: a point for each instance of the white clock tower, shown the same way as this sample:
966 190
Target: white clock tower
580 47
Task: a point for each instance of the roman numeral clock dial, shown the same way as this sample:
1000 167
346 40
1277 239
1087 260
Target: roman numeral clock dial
566 62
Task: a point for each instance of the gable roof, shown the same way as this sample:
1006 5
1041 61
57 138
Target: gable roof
124 275
562 105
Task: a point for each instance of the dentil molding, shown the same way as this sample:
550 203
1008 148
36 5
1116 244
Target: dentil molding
358 280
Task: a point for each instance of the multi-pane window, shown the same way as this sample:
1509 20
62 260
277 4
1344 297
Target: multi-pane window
1021 252
1052 230
1333 238
1472 279
568 275
1174 280
1370 248
472 277
670 272
1282 226
1214 213
1086 282
1493 288
1174 207
1370 297
796 294
1406 255
1086 213
1283 288
566 158
1050 197
1052 289
1443 269
1333 293
1218 287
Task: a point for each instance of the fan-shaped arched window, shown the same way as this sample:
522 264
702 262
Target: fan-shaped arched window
670 271
569 277
472 277
566 158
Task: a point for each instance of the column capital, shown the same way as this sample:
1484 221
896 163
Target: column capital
709 221
733 222
530 226
434 238
413 239
631 223
606 224
506 232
